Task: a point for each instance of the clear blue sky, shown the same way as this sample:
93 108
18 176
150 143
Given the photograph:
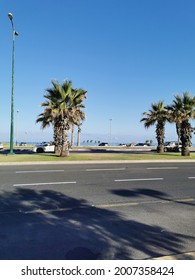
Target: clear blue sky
125 53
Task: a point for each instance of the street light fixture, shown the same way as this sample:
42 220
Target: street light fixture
14 33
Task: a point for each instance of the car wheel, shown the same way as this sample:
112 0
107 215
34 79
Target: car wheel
40 150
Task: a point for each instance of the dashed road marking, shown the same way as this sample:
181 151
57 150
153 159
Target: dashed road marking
106 169
139 179
42 184
162 168
38 171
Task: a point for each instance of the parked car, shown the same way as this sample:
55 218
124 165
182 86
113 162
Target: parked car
103 144
131 144
142 145
44 147
172 146
1 146
23 144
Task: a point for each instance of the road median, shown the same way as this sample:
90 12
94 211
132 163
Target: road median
92 156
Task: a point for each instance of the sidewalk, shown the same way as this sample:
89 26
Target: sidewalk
96 162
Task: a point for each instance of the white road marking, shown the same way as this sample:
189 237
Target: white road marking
191 177
42 184
139 179
156 168
106 169
38 171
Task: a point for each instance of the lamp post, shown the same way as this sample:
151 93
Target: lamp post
14 33
110 131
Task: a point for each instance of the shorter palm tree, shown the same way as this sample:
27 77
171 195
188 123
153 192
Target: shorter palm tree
157 115
62 108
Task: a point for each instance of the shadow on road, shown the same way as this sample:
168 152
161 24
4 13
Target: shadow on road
50 225
147 192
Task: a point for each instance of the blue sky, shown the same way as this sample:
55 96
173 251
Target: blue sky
125 53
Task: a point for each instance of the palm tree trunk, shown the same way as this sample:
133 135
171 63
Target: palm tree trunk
160 135
72 135
57 137
186 136
79 136
65 142
178 130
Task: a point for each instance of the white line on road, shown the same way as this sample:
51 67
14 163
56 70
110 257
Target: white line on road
139 179
41 184
191 177
153 168
38 171
105 169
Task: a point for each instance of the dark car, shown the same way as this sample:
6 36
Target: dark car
142 145
103 144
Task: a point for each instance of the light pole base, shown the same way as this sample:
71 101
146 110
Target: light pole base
11 154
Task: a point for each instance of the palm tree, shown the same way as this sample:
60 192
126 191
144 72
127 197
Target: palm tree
79 124
62 101
181 111
174 115
157 115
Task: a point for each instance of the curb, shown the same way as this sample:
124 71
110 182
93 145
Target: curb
96 162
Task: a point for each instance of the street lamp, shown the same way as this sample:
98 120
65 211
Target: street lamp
110 131
12 92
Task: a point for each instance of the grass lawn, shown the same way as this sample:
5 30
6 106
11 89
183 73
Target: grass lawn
83 156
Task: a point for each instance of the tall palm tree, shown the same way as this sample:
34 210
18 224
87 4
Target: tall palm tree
181 111
174 115
157 115
79 117
79 114
64 111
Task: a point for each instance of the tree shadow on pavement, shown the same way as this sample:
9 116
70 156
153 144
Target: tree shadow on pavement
50 225
139 192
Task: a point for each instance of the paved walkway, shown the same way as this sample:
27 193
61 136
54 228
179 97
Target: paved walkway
95 162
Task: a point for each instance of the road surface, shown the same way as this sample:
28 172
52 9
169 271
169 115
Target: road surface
97 211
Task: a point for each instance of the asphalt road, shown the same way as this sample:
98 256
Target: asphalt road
97 211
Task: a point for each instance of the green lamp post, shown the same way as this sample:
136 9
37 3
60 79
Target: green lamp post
11 152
